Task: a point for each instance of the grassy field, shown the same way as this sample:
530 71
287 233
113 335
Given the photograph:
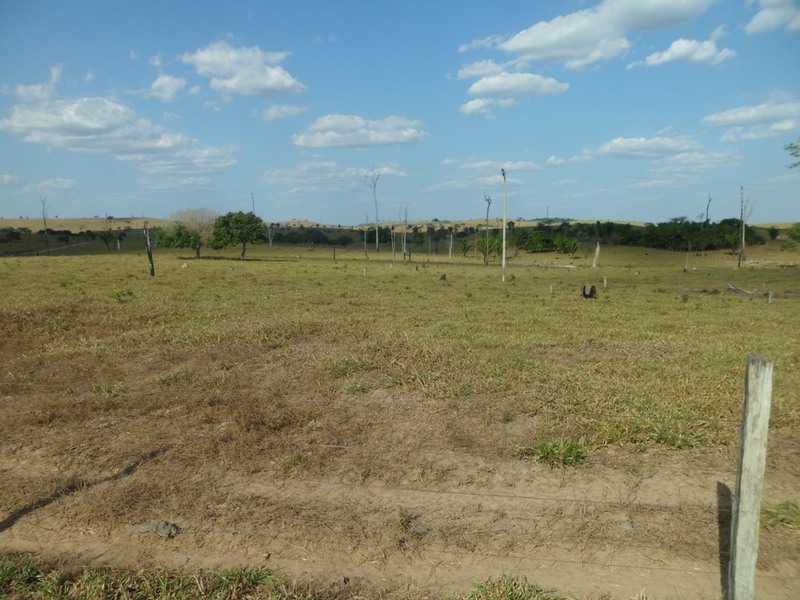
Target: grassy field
225 394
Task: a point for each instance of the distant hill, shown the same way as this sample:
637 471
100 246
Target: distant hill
78 225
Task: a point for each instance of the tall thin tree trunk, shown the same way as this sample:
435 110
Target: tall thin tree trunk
742 252
149 250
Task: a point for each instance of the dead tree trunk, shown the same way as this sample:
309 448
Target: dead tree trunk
148 247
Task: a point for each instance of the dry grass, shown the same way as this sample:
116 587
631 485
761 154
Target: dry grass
361 371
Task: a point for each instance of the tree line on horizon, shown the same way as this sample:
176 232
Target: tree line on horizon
203 228
200 228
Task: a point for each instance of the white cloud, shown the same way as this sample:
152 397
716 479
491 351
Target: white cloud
281 111
56 184
585 37
575 40
481 106
501 89
155 60
481 68
693 162
517 84
165 87
101 126
638 147
327 176
354 131
774 15
7 179
554 160
39 92
693 51
249 71
757 122
485 43
495 165
89 76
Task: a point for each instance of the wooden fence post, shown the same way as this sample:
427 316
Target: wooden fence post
750 478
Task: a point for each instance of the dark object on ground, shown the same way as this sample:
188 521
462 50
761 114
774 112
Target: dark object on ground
163 528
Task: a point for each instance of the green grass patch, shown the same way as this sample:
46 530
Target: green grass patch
785 514
513 588
22 578
564 453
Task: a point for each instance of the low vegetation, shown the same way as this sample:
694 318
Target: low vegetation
310 365
22 577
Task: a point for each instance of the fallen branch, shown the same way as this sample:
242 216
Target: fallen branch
741 290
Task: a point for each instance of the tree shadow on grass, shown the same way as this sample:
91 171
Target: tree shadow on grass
236 259
10 520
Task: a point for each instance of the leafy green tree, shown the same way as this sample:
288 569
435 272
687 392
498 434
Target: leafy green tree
106 237
565 245
179 236
237 228
464 246
488 246
794 232
794 150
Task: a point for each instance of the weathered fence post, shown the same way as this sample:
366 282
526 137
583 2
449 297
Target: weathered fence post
750 478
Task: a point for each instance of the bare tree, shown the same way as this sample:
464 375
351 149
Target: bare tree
43 200
371 180
488 200
746 209
199 221
405 235
149 249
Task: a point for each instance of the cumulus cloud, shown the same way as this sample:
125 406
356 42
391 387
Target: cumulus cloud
496 165
327 176
56 184
101 126
774 15
282 111
481 68
501 89
693 51
483 106
353 131
517 84
8 179
655 147
585 37
39 92
577 40
166 87
757 122
696 161
248 71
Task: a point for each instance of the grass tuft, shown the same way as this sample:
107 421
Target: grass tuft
785 514
555 452
513 588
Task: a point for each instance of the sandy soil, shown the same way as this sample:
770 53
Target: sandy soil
383 509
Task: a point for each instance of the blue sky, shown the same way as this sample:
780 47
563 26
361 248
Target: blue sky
602 109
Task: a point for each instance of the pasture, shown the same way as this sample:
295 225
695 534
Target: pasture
332 418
